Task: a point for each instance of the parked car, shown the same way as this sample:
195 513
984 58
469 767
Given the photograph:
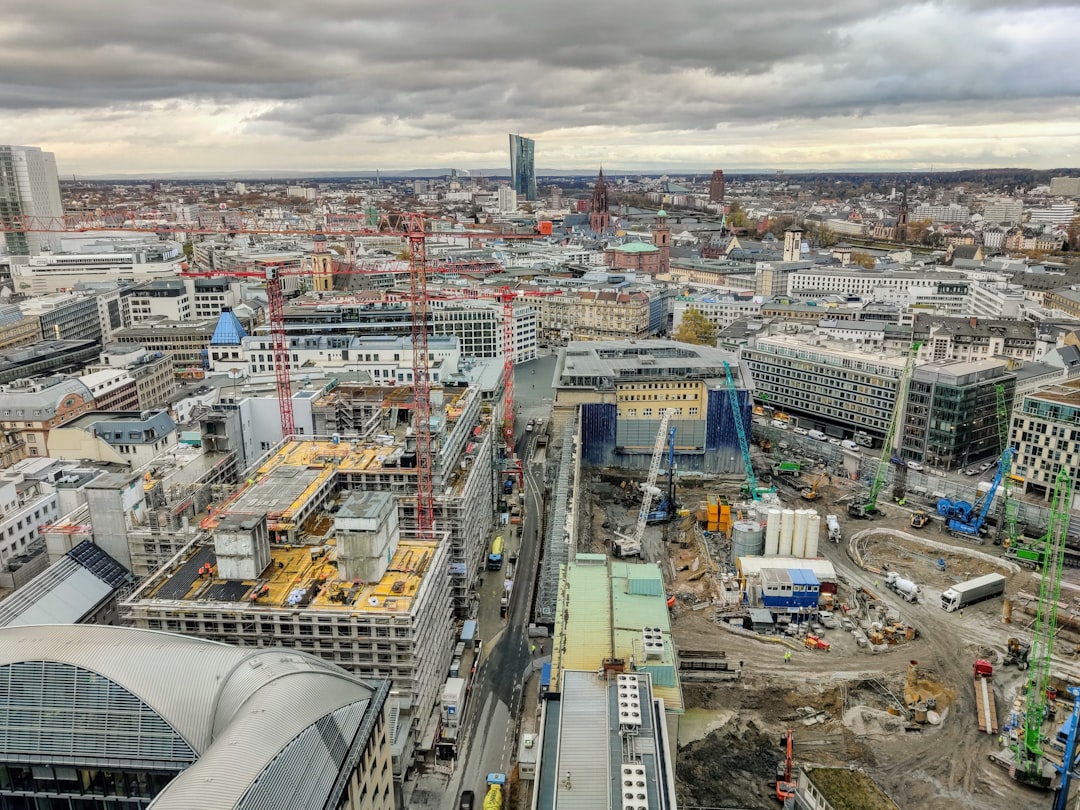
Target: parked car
848 444
986 466
914 465
834 441
971 471
779 424
800 431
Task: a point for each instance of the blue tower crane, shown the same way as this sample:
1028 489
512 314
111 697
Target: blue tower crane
755 491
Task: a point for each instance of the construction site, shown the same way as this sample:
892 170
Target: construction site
892 633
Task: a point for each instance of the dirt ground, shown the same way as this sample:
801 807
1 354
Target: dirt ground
846 707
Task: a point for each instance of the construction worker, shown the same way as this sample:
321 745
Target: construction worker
787 657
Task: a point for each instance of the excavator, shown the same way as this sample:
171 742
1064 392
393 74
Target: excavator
810 493
785 784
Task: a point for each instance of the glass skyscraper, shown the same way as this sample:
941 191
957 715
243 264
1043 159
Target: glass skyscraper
523 167
29 187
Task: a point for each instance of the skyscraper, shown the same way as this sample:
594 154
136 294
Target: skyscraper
523 167
716 187
29 187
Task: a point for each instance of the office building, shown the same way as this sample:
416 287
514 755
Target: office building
29 191
182 723
716 187
1065 186
1045 437
828 384
523 167
65 316
624 387
951 417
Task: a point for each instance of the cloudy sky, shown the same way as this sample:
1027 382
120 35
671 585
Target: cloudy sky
234 85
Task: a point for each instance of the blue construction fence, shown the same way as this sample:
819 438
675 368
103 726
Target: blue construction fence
709 445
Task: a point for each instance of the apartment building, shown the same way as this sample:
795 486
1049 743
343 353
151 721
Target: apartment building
952 212
24 506
722 310
829 385
611 315
29 410
181 299
989 299
1006 210
151 372
16 329
1046 437
133 438
948 338
951 416
1066 300
113 389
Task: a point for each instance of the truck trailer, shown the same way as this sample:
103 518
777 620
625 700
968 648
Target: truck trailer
975 590
984 697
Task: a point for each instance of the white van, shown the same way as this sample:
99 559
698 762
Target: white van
779 424
816 435
848 444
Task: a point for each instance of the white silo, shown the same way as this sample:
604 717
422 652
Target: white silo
772 533
813 535
798 538
787 531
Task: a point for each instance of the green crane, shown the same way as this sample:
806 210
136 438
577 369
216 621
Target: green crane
1008 525
1030 763
867 508
744 446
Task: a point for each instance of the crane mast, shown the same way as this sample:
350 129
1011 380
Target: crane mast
891 446
1028 752
1009 523
740 429
649 490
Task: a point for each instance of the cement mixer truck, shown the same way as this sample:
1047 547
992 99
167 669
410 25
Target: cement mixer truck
495 799
904 588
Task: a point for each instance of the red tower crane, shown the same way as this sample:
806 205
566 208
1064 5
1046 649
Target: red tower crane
237 221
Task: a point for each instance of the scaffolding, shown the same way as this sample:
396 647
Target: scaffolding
557 551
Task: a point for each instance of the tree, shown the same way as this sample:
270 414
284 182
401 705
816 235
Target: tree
696 328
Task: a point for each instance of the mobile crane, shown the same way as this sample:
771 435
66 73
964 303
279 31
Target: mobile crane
631 546
754 490
970 521
890 450
1029 763
667 507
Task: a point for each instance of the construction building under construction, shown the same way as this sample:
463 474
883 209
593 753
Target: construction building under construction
366 598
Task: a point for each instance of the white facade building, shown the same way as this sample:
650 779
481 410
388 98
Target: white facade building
720 310
24 507
29 188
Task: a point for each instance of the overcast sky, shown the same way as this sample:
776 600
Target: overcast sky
681 85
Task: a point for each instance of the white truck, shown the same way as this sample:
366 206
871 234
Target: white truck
975 590
904 588
833 525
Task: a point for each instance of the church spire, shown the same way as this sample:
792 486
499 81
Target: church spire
599 215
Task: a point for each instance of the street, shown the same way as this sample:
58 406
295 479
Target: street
489 737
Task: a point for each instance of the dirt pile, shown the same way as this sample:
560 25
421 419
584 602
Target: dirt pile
733 766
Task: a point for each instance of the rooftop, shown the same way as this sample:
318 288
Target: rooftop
299 577
231 721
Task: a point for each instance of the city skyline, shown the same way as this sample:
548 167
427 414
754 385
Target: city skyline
681 87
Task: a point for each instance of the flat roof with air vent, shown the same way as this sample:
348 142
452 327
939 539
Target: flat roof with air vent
652 642
591 758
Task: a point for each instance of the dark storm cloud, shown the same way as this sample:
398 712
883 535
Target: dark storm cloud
324 68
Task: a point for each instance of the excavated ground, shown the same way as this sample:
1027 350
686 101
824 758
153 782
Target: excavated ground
730 737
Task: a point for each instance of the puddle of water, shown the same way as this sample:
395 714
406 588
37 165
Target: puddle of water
697 723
